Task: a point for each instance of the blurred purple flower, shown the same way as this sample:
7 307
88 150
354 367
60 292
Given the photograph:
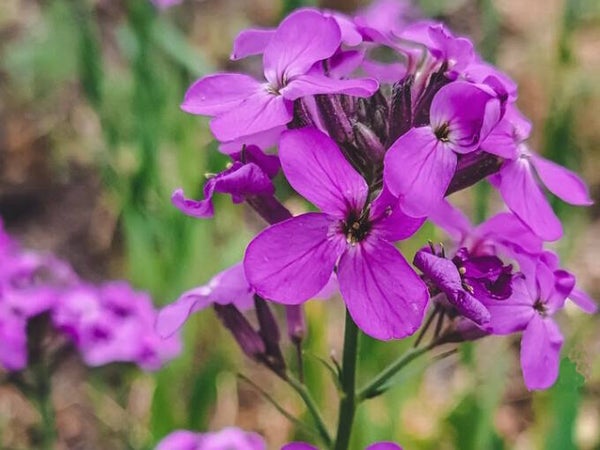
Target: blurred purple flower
164 4
291 261
230 438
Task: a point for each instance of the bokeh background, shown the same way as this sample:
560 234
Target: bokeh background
92 142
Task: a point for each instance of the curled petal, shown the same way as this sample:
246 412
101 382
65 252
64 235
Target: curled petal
291 261
384 295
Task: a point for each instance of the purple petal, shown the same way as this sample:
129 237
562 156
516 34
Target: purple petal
317 170
478 71
514 313
469 111
507 230
302 39
540 353
261 111
350 35
384 72
343 63
419 168
263 139
201 209
251 42
452 220
384 295
269 164
584 301
291 261
227 287
384 446
304 85
563 183
180 440
445 276
13 351
389 221
215 94
524 197
298 446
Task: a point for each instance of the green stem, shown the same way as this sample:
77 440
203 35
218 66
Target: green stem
373 388
43 398
312 407
348 383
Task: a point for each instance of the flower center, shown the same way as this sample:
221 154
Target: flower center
442 132
541 308
356 228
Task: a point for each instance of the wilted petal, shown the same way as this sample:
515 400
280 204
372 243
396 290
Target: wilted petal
384 295
445 276
524 197
291 261
201 209
419 168
260 112
251 42
215 94
540 353
302 39
312 84
317 170
562 182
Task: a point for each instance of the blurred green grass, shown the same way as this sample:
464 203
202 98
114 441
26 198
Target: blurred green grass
131 65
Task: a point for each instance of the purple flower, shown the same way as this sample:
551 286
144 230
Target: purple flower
164 4
13 334
242 106
291 261
384 445
227 287
421 163
250 174
113 323
537 295
230 438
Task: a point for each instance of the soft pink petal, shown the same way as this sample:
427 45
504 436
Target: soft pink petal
312 84
251 42
215 94
302 39
419 168
317 170
584 301
384 295
291 261
540 353
562 182
524 197
261 112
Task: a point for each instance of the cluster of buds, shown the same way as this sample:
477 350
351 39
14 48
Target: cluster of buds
376 122
43 300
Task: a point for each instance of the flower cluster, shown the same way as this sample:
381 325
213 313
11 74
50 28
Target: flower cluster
106 323
376 121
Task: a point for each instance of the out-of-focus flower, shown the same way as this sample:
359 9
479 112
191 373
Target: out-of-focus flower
164 4
230 438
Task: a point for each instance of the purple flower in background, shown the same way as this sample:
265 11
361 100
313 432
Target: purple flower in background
421 163
249 174
243 106
376 446
291 261
230 438
113 323
537 296
227 287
